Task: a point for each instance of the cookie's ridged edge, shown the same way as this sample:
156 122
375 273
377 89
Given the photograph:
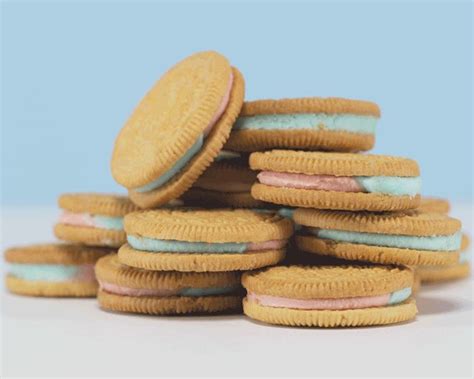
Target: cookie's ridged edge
335 164
214 199
109 269
444 273
329 105
331 319
51 289
169 305
409 223
375 254
261 282
255 140
332 200
56 254
90 236
198 262
156 224
434 205
100 204
212 146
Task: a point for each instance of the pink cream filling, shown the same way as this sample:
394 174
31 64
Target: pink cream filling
222 106
77 219
312 182
319 304
266 245
85 273
126 291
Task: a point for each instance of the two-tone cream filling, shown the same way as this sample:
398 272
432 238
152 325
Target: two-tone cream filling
388 185
167 292
193 150
91 220
333 304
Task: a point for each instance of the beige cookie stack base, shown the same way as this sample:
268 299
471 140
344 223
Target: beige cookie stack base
169 305
51 289
330 319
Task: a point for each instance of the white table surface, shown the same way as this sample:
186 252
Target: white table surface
73 337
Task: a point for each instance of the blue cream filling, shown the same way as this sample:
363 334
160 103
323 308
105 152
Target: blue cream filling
173 246
399 296
433 243
391 185
107 222
316 121
207 291
43 272
178 166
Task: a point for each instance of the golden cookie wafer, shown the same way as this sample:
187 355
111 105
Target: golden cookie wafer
393 314
434 205
198 262
212 226
96 203
305 123
336 181
172 305
332 199
178 129
56 270
330 296
93 219
412 237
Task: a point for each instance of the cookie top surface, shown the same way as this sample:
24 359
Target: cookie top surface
56 253
170 118
434 204
411 223
97 203
110 270
329 105
213 226
337 164
312 282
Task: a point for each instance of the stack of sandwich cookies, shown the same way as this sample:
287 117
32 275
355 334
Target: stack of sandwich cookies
93 219
226 183
307 123
434 205
178 129
204 240
410 237
128 289
56 270
330 296
337 181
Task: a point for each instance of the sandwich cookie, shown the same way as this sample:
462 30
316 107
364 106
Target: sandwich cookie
204 240
56 270
330 296
336 181
307 123
128 289
411 237
459 270
178 129
434 205
226 183
93 219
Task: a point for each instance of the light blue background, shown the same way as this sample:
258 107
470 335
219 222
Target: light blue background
72 73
